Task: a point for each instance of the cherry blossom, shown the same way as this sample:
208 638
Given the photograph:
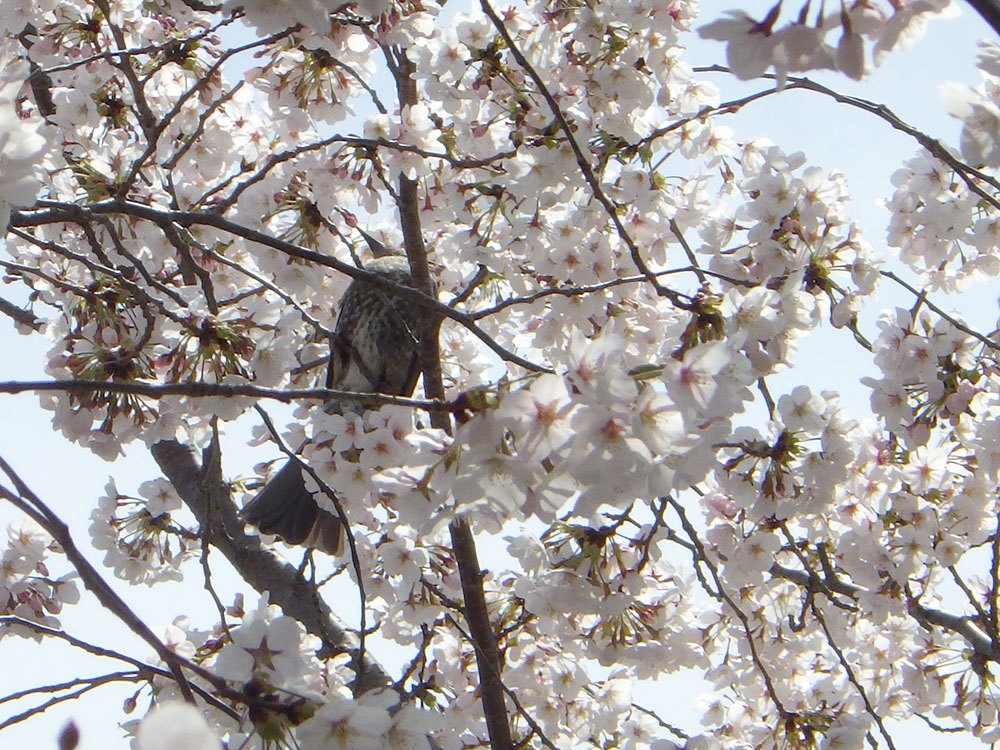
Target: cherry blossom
623 281
754 45
171 726
21 144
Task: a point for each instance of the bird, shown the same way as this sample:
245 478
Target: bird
373 349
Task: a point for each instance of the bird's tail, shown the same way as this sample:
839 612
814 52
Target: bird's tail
288 510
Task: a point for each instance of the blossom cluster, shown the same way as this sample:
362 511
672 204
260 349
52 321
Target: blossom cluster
628 280
27 589
943 222
273 657
755 45
140 539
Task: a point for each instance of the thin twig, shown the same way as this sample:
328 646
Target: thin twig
744 620
211 390
29 503
581 159
148 669
954 321
851 677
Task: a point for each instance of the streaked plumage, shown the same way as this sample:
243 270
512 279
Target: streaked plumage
375 344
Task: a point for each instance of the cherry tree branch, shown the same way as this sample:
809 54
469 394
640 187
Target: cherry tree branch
226 390
456 162
993 620
851 677
84 684
581 159
106 268
359 574
484 638
141 667
58 212
977 640
922 296
676 731
576 291
702 556
29 503
149 49
20 316
463 544
965 171
144 113
416 251
208 498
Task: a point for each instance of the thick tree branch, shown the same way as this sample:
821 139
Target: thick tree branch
416 253
209 500
463 542
483 636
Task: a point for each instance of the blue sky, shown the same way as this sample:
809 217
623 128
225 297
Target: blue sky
832 136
